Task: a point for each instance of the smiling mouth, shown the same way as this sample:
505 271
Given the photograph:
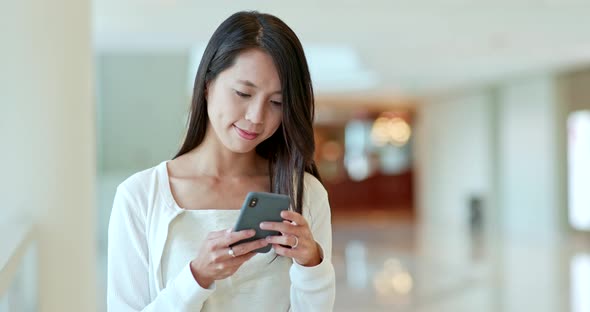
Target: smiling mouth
246 134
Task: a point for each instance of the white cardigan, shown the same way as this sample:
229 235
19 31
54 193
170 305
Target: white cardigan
138 232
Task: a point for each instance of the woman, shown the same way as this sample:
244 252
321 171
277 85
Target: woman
250 129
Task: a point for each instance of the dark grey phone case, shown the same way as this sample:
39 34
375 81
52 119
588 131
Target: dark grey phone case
259 207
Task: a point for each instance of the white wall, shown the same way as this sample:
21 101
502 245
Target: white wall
453 157
142 108
47 142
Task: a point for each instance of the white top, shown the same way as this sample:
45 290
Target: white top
152 240
257 280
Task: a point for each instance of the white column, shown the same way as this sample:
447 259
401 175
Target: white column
47 142
531 129
453 153
529 138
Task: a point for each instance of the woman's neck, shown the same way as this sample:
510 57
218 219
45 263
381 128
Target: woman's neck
214 159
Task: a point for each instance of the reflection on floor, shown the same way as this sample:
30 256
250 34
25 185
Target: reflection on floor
392 264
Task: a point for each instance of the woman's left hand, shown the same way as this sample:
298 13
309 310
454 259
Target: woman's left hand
296 233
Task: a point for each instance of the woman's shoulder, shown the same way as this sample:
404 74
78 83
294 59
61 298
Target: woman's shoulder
314 189
143 180
141 193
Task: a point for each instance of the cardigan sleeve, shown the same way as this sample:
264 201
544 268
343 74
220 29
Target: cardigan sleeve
128 276
314 288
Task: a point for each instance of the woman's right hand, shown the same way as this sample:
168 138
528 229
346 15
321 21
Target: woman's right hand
214 260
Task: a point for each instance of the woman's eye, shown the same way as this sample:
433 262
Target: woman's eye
277 103
242 94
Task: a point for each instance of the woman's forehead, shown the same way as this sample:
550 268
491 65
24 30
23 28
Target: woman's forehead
256 69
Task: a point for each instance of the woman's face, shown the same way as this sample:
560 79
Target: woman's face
244 101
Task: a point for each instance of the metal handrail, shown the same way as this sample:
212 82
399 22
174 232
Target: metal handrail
15 240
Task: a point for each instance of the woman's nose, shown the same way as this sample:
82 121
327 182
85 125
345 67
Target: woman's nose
255 112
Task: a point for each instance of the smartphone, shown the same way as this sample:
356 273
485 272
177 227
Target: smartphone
259 207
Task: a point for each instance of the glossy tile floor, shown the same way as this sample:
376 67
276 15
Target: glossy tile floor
387 264
390 265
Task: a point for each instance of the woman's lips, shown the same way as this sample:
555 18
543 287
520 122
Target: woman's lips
246 134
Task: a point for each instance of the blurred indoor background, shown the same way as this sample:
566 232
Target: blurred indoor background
453 138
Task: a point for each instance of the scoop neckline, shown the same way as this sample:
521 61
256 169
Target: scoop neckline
167 192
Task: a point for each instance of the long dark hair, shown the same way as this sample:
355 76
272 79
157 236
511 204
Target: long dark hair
290 149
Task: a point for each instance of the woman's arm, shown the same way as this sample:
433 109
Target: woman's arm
314 288
128 277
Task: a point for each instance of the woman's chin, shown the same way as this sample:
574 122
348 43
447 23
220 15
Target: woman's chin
242 147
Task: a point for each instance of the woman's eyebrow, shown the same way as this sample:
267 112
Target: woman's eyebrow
251 84
247 83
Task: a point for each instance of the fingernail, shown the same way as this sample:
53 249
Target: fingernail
262 224
268 238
